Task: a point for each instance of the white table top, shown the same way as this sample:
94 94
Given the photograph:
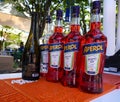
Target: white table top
10 75
113 96
19 75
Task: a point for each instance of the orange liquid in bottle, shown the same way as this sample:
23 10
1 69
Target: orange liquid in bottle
93 47
55 69
71 57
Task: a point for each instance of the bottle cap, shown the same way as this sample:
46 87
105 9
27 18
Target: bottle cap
67 15
75 11
96 6
59 14
48 19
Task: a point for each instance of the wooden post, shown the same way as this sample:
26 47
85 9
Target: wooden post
118 28
109 20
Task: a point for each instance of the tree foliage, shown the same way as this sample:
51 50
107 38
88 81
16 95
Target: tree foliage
10 36
42 6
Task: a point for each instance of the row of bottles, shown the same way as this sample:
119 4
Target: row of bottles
74 60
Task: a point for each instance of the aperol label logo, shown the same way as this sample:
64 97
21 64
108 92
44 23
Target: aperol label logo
56 47
44 47
72 46
93 48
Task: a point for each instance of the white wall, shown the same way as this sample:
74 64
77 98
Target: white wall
109 22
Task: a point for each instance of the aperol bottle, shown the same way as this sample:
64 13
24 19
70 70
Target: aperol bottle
44 47
55 56
93 47
72 50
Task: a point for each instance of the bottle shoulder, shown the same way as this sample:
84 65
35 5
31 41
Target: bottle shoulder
56 38
95 33
94 36
57 35
73 36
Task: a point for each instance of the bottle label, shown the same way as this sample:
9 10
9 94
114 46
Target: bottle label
92 53
55 54
69 50
44 58
31 71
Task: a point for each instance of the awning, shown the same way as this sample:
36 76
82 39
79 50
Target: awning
15 21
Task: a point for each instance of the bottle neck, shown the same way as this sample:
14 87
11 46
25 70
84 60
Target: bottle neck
35 24
48 28
75 24
58 27
95 22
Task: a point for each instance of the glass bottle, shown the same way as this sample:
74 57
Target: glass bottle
72 50
31 54
56 43
44 47
93 47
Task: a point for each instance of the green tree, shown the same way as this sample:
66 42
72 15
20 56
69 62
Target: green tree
9 36
42 6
